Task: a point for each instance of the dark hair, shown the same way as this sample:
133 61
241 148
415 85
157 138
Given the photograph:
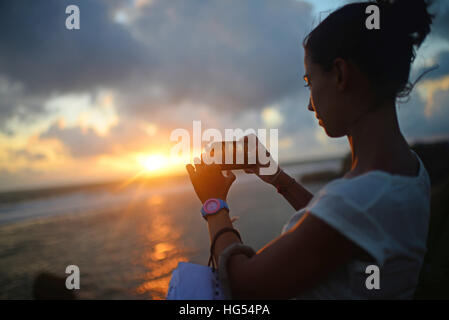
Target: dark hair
385 54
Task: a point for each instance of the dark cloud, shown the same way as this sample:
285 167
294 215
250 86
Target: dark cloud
440 24
440 69
40 57
439 32
37 49
416 125
14 103
229 55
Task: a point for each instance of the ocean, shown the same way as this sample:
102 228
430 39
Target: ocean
126 241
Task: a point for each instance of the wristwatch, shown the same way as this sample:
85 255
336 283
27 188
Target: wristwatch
212 206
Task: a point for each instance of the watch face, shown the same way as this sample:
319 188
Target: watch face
211 205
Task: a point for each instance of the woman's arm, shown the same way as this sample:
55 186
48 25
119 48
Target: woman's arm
285 267
209 182
292 263
288 265
292 191
217 222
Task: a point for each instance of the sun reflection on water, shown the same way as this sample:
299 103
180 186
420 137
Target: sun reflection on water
164 249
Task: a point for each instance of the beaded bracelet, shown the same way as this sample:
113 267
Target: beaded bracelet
223 276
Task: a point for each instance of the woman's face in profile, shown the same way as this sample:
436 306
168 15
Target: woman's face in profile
325 99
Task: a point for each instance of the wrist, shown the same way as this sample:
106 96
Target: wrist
222 214
284 182
275 177
214 197
213 206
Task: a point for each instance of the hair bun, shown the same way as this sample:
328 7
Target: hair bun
409 17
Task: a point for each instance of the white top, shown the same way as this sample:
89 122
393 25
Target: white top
386 215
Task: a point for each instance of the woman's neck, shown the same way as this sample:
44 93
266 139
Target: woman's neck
377 143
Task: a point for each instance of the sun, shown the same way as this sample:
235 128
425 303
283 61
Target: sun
153 162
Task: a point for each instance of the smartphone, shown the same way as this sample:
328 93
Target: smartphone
235 155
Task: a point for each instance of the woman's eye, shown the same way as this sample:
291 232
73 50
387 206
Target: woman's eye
306 80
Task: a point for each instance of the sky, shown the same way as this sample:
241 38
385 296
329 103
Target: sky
100 103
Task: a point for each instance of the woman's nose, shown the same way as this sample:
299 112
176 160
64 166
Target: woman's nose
310 105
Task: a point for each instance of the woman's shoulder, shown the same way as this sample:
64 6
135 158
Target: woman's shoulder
360 189
365 190
376 181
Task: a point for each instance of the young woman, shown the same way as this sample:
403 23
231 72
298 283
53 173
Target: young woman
378 213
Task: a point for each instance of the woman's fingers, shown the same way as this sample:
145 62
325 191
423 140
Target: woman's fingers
199 166
190 169
207 168
212 171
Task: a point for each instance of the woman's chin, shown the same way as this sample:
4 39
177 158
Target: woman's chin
330 133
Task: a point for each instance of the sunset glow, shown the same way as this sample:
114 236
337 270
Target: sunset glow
110 114
153 162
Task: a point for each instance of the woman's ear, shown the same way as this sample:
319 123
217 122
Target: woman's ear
341 69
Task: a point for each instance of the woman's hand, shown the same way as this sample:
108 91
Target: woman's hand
209 182
259 147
